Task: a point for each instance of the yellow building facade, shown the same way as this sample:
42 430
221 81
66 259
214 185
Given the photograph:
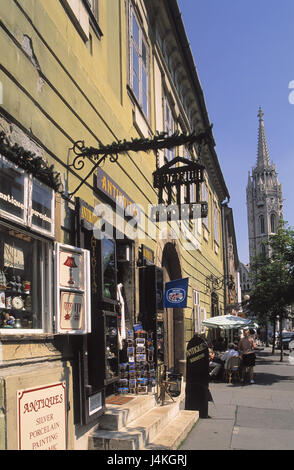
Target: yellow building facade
94 72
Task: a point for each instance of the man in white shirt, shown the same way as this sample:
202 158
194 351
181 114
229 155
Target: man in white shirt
231 352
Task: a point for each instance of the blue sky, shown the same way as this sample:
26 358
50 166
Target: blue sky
244 55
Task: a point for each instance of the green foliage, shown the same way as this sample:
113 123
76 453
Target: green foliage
272 276
30 163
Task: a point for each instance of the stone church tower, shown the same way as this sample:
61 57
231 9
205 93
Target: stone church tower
264 196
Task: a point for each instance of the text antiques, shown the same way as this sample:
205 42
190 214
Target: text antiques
73 289
41 417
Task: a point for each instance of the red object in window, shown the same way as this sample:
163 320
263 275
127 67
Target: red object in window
70 262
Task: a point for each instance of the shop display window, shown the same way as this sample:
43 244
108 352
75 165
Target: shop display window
25 200
111 344
23 273
108 268
13 184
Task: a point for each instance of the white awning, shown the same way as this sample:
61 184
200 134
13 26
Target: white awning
226 322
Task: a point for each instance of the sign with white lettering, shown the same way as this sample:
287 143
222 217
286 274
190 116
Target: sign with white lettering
41 417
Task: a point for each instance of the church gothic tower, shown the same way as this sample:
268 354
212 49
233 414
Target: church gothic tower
264 196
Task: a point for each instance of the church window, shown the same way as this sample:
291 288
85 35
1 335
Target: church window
273 223
261 224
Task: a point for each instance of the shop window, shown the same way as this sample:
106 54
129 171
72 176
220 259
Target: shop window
25 200
139 62
108 268
23 277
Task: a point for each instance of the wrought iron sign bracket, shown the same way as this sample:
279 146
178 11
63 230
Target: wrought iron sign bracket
161 141
217 283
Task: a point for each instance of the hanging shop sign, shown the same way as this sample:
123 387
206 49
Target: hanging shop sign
104 183
176 293
41 417
73 289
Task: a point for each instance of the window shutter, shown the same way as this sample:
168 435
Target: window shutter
72 290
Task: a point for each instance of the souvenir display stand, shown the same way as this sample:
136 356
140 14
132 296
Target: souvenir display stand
138 374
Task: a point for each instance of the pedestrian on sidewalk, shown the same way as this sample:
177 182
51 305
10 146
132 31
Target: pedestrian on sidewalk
247 349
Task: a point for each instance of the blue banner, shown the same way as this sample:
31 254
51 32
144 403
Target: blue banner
176 293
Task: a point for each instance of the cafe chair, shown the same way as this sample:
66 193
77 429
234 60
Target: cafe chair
232 369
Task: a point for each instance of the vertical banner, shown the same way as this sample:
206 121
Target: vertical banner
176 293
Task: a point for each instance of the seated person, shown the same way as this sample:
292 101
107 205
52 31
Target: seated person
231 352
215 364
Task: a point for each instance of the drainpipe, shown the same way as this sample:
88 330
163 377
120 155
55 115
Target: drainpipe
224 204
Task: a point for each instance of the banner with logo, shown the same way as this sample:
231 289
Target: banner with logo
176 293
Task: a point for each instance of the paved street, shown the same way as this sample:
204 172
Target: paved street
250 417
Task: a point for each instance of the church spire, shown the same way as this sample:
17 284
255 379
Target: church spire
263 159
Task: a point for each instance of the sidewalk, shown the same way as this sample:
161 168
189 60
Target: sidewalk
251 417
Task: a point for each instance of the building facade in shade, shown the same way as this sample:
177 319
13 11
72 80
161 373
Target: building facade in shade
244 279
264 196
82 262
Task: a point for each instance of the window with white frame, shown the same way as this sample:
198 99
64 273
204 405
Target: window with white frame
169 126
216 222
205 199
93 4
24 254
197 312
24 275
26 261
25 200
139 62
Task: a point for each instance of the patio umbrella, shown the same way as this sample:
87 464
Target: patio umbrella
226 322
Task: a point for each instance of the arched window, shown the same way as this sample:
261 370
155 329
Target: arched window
261 224
273 223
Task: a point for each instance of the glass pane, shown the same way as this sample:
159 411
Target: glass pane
108 268
111 347
135 62
145 104
135 30
11 189
136 87
41 206
144 54
20 280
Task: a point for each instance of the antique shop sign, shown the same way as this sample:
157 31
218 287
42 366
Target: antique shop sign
113 191
41 417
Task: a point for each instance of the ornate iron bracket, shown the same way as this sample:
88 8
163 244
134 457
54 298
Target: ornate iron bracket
160 141
217 283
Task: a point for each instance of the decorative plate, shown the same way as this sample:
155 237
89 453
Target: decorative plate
17 303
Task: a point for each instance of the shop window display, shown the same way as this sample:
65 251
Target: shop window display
109 269
22 273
